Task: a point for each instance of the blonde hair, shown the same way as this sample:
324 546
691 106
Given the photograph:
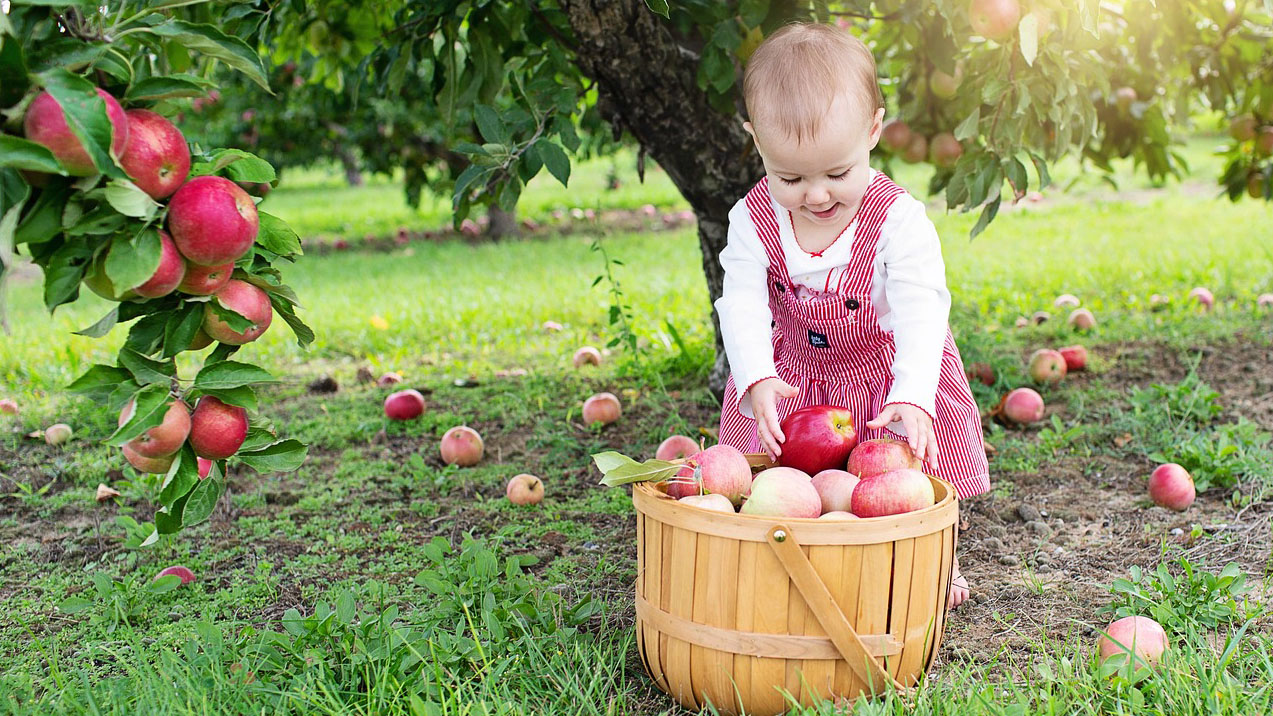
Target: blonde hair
788 77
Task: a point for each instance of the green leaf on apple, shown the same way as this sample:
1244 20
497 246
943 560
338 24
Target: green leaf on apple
237 165
202 500
23 154
168 520
618 469
146 336
212 42
231 374
242 396
85 114
275 235
181 327
145 370
236 321
181 477
132 261
283 456
128 199
149 407
259 436
64 272
179 85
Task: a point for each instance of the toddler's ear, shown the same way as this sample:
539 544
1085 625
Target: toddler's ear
748 128
877 126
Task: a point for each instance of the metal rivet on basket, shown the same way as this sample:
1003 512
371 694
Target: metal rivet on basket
780 536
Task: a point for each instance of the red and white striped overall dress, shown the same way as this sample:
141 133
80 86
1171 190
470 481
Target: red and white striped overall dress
854 367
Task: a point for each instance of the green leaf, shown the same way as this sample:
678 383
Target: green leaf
213 42
181 327
490 124
149 407
648 471
44 220
231 374
168 519
236 321
1028 29
242 396
555 159
74 605
202 501
22 154
99 380
181 477
967 129
283 456
658 7
103 325
13 71
258 437
128 199
609 461
63 273
163 584
304 334
987 215
132 261
237 164
147 335
145 370
85 114
157 88
275 235
99 222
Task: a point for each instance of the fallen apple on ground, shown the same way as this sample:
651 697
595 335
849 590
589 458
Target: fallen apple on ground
602 408
1204 297
1023 406
881 455
1171 486
587 356
404 405
982 373
388 379
1075 357
1137 635
57 433
524 489
819 437
1047 366
676 447
1066 300
462 446
8 407
1082 319
783 492
183 572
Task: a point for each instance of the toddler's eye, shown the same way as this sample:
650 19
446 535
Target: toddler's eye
841 175
785 180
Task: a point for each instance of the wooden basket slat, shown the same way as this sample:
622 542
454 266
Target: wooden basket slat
722 605
654 569
701 657
872 614
943 588
819 674
846 680
684 544
769 615
920 619
900 599
797 616
745 618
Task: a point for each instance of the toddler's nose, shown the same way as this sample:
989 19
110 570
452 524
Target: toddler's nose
817 196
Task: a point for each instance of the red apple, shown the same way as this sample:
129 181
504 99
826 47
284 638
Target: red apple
721 470
1022 406
994 19
165 438
45 124
835 488
389 379
8 406
57 433
676 447
1203 297
819 437
213 221
881 455
1137 635
896 135
186 575
916 150
684 484
167 276
1264 300
461 445
1066 300
524 489
1040 317
552 327
157 157
982 372
1047 366
1075 357
718 503
205 467
943 85
153 465
783 492
892 493
601 408
1082 319
1243 128
248 301
1172 487
217 429
404 405
587 356
944 150
205 280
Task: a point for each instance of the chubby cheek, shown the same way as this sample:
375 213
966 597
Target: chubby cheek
788 197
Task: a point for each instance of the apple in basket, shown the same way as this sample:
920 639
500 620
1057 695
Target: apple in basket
881 455
819 437
892 493
718 470
783 492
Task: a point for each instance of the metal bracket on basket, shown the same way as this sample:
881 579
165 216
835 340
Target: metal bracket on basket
822 604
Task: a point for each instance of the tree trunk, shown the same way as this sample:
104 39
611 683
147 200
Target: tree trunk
503 223
353 174
647 86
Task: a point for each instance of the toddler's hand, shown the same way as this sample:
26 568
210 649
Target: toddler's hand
764 405
919 428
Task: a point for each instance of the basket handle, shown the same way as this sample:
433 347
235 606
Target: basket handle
829 614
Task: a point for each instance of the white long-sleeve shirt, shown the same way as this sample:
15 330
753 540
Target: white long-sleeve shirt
908 290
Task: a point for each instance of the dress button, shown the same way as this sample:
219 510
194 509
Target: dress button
778 285
852 304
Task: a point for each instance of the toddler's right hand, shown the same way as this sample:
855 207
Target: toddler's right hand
764 405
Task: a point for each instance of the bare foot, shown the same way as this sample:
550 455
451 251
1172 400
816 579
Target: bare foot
958 588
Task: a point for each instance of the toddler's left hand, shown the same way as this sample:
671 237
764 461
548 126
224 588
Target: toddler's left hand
919 428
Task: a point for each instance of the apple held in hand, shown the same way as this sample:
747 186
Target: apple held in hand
881 455
819 437
783 492
893 493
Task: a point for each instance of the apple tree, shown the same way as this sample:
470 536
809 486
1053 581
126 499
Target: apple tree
991 92
102 191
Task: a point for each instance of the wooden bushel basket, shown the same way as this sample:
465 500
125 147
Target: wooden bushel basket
735 610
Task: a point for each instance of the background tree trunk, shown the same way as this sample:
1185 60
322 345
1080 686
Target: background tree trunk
646 80
502 224
353 175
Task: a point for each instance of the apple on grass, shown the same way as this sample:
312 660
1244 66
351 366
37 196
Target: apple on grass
388 379
1082 319
57 434
165 438
819 437
1075 357
524 489
602 408
881 455
783 492
213 221
184 573
156 158
1204 297
1047 366
8 406
1134 635
1171 486
675 448
244 299
1022 406
217 429
892 493
462 446
586 356
45 124
1066 300
404 405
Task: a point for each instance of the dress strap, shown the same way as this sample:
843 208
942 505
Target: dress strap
880 195
761 206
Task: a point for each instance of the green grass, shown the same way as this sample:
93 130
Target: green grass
357 524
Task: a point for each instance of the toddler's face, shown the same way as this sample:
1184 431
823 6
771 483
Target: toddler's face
821 179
